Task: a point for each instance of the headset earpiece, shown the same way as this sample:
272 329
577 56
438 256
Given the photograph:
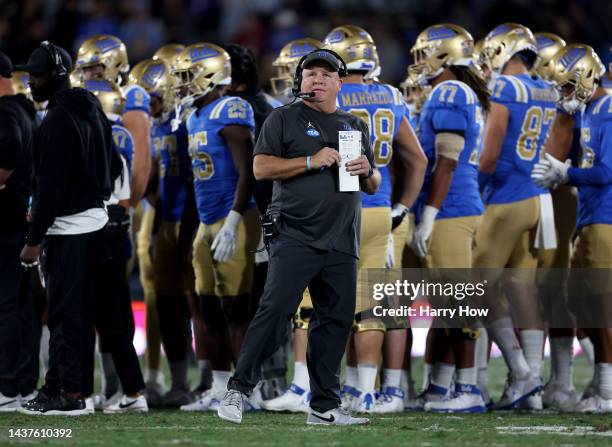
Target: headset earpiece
59 72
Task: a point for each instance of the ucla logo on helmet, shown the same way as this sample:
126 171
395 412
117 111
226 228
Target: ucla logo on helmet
106 44
571 58
440 33
501 29
335 37
301 49
197 54
152 74
544 42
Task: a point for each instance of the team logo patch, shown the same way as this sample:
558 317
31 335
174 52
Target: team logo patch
571 58
311 131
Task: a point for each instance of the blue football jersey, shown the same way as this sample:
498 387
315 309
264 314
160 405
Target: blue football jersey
215 176
531 103
171 151
382 108
595 200
452 106
124 142
136 98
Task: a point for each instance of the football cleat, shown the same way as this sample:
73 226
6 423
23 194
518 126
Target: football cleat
532 403
294 400
231 406
55 405
128 405
433 393
254 401
9 404
208 401
594 404
516 391
337 416
466 399
365 403
155 389
390 400
349 395
559 398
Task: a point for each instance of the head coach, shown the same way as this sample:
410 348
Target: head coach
317 240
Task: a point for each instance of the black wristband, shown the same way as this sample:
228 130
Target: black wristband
370 174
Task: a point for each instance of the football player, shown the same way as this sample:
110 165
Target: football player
286 63
105 56
563 142
115 338
521 113
382 108
220 133
577 73
449 208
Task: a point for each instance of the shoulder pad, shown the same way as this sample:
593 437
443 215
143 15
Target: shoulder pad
509 89
233 109
453 92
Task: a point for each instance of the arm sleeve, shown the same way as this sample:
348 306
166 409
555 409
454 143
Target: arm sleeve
270 141
601 172
10 141
54 144
137 98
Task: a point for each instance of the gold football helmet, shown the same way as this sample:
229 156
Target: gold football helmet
108 93
503 42
438 47
20 82
287 61
548 45
169 53
374 73
200 68
107 50
354 45
156 78
576 70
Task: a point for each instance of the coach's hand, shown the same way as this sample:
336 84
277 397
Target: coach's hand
423 231
29 255
359 166
224 244
325 158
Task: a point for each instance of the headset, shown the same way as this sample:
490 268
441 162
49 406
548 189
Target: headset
297 79
59 71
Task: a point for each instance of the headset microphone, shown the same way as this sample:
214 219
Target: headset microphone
305 95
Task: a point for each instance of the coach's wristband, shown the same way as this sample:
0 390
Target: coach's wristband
308 165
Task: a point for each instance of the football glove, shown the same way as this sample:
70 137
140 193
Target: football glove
390 253
224 244
422 233
550 172
398 213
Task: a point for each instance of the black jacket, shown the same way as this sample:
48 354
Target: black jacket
75 160
17 125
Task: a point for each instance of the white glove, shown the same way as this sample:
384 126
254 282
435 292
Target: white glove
550 172
390 253
224 244
423 231
261 255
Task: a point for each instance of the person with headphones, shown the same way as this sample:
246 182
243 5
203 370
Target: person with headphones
314 239
75 164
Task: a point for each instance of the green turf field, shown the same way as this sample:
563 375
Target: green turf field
169 428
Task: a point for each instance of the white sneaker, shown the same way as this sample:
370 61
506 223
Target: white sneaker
155 389
254 401
337 416
128 405
348 397
410 396
466 399
9 404
293 400
101 402
231 406
90 406
433 393
208 401
594 404
365 403
558 397
517 390
390 400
